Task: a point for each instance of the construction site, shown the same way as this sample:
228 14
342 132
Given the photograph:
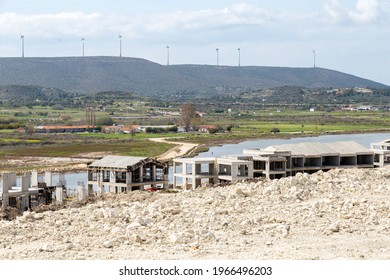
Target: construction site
123 174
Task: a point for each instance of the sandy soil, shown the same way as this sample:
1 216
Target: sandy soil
181 148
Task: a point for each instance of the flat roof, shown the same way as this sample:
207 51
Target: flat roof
117 161
195 160
318 148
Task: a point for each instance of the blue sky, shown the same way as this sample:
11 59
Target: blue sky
351 36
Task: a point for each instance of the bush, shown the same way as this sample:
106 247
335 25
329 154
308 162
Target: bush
275 130
105 121
58 107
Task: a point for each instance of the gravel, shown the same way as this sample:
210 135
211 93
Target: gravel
340 214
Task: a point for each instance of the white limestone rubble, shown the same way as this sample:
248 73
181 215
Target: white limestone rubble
327 215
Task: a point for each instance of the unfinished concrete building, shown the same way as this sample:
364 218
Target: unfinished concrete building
27 191
192 172
272 162
123 174
288 159
381 153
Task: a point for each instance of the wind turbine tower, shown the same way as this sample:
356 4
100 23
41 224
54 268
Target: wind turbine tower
22 38
167 55
314 57
120 45
239 57
82 41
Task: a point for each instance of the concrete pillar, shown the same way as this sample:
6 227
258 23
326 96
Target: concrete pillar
101 190
59 194
34 178
6 187
129 179
154 175
174 181
184 168
234 171
80 191
212 169
267 169
99 179
48 178
112 177
11 179
250 170
25 181
141 174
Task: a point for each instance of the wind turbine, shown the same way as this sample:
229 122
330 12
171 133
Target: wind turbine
22 37
120 45
82 40
239 57
167 55
314 56
217 50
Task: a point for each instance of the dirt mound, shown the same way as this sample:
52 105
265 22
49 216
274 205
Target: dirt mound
328 215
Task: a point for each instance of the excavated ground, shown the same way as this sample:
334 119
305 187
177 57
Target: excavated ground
340 214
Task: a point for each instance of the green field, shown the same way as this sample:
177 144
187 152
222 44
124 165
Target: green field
246 125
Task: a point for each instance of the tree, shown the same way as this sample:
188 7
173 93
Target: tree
188 112
105 121
275 130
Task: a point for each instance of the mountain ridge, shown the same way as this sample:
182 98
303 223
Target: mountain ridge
105 73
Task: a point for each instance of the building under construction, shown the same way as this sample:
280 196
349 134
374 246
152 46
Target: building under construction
26 191
279 161
124 173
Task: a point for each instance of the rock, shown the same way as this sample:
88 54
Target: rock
137 238
47 247
335 227
38 216
108 244
134 225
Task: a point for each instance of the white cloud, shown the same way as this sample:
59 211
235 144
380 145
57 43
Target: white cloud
365 11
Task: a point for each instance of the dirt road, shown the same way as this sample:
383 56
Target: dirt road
180 149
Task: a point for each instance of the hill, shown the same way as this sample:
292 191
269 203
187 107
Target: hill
96 74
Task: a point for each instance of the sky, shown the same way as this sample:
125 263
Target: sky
351 36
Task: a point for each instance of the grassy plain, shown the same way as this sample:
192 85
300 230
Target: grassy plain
248 125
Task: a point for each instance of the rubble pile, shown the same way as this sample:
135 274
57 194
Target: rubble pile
340 214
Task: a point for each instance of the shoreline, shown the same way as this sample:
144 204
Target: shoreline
186 149
221 142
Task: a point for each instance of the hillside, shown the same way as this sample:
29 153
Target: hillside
96 74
